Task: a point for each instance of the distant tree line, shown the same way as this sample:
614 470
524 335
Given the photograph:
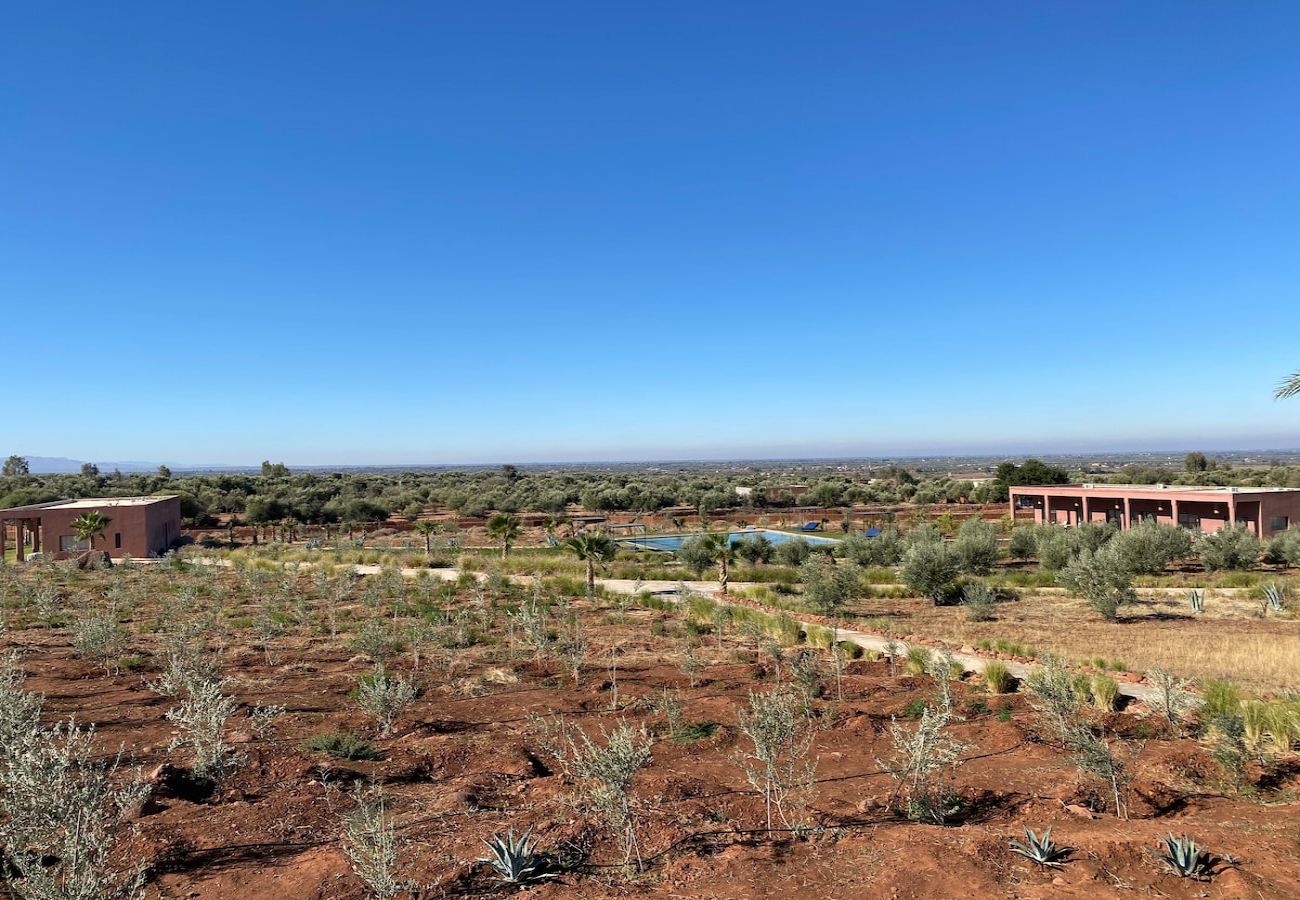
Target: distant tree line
278 494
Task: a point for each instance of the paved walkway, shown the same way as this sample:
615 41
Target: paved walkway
867 641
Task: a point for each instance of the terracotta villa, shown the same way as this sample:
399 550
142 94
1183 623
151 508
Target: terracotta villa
1266 511
139 526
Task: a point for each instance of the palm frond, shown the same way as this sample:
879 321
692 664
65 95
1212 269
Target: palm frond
1290 387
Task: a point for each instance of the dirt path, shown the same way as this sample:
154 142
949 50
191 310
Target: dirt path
867 641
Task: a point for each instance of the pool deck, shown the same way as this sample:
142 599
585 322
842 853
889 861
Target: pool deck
642 541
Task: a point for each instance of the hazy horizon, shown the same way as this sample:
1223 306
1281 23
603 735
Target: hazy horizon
740 457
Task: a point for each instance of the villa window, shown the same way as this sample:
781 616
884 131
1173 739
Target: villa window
1280 523
69 543
1189 520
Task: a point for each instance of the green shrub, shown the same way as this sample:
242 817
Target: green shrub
695 731
885 549
701 608
341 746
818 636
1102 579
977 546
1228 548
1053 548
979 601
1148 547
792 553
1023 543
1285 547
930 568
784 629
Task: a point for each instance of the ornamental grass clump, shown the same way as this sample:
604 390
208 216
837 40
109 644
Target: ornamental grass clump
997 677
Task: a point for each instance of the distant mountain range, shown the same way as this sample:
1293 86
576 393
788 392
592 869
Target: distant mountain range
59 465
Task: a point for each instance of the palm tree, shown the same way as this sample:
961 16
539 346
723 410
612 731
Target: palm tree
428 529
718 545
505 528
89 526
1290 387
592 549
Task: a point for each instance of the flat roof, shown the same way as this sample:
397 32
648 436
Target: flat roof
102 502
1101 487
84 503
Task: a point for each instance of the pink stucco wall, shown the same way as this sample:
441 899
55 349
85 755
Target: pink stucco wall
1257 510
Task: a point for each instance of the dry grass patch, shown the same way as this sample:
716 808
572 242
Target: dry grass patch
1228 641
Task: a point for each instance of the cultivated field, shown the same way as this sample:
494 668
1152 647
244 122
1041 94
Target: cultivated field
465 706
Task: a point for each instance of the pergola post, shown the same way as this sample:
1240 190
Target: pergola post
19 550
1128 515
1086 518
4 533
1173 509
1047 509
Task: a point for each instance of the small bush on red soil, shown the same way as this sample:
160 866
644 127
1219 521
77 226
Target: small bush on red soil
342 746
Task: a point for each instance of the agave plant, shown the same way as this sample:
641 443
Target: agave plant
1183 856
1197 599
1040 848
515 859
1273 594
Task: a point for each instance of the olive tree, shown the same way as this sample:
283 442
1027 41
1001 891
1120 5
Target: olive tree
695 553
1053 550
1234 547
778 766
828 588
1148 547
1102 578
885 549
792 553
605 774
1023 543
977 546
930 568
1285 547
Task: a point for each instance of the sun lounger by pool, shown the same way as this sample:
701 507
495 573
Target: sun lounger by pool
808 526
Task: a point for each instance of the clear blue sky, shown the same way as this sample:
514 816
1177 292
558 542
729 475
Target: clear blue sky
412 232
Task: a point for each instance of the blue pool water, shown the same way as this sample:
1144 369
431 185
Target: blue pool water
672 542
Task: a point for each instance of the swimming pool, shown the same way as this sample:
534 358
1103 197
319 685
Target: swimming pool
673 542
